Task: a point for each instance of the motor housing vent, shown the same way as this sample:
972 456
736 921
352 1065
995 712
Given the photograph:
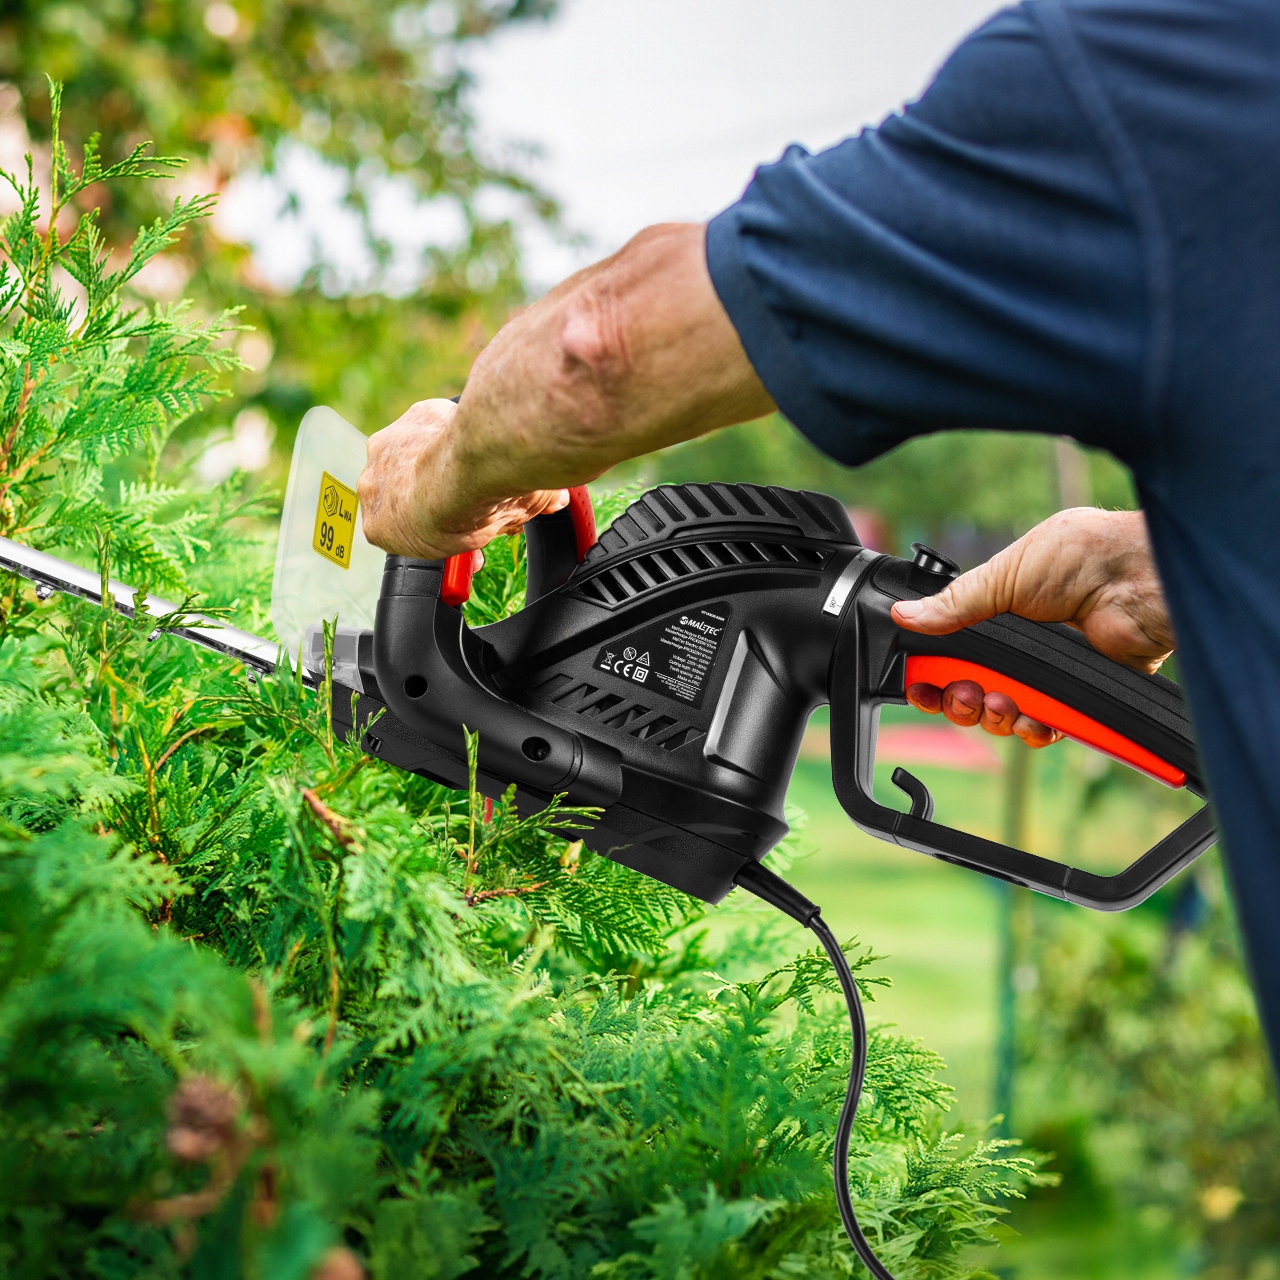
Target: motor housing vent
679 531
618 712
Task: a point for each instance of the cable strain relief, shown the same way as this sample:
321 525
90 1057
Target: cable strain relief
773 889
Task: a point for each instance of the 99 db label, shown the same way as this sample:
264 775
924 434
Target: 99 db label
335 521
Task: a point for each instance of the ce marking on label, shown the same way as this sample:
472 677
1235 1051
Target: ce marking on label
624 669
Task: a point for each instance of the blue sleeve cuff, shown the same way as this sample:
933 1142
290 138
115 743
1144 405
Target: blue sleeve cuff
768 347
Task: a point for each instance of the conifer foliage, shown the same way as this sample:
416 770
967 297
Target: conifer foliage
87 380
271 1008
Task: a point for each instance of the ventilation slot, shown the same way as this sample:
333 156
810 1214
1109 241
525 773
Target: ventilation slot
695 558
631 580
628 715
579 693
601 705
593 589
691 501
553 688
775 499
630 528
721 503
654 727
659 496
721 554
655 569
645 515
811 510
615 712
744 496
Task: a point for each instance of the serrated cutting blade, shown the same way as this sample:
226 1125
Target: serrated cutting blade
51 574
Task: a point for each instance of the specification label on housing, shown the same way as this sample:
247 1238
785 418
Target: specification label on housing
672 656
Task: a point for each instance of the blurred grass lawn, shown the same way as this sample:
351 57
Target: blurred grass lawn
935 924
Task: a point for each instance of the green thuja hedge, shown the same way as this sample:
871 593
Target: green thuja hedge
270 1008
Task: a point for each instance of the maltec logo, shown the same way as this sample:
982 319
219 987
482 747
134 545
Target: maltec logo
705 627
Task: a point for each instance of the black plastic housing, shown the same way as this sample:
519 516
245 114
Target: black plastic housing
669 677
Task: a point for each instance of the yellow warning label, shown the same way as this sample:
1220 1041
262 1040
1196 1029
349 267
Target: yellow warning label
335 521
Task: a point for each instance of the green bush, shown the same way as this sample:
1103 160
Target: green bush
271 1008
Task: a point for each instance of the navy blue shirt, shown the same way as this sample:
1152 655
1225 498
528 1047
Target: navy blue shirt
1076 230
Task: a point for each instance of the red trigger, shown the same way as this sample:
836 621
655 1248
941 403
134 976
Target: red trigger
940 671
584 519
455 586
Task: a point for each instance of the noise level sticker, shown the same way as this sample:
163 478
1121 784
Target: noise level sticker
335 521
673 656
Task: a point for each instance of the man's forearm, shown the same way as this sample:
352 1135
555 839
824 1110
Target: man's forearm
633 354
630 355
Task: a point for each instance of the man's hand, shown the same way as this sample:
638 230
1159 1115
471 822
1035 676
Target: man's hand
1091 569
626 357
409 462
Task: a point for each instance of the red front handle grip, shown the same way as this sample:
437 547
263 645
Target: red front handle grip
455 589
941 671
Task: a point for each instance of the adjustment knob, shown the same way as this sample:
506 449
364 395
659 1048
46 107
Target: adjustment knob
932 561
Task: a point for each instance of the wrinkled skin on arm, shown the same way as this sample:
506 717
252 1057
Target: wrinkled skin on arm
1088 568
628 356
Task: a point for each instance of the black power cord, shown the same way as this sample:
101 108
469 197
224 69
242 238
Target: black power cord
778 893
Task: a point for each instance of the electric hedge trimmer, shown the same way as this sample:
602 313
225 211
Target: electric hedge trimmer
663 674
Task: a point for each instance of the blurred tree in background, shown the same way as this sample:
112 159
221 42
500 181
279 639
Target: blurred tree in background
370 94
967 492
372 91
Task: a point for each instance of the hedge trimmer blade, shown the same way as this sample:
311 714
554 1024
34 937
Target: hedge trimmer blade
325 567
51 574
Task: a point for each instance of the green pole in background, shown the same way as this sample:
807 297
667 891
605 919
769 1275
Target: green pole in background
1013 912
1011 925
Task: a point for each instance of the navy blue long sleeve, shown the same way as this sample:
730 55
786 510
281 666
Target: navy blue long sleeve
1076 230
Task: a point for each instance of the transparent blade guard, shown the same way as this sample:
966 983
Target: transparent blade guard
325 569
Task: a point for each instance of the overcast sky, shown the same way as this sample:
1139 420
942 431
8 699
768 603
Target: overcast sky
636 111
647 110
